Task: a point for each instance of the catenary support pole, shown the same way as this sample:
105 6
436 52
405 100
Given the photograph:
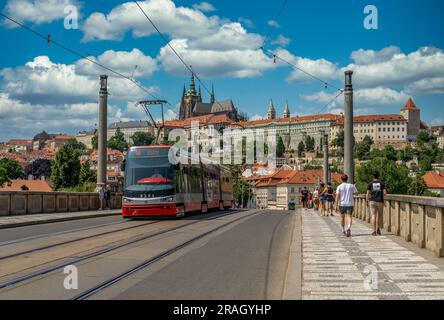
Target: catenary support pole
348 127
102 133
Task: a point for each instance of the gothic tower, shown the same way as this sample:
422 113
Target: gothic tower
189 100
287 111
271 114
412 114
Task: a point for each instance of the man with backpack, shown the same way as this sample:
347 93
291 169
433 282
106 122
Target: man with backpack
376 192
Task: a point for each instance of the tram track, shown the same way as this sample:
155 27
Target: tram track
96 289
16 254
76 259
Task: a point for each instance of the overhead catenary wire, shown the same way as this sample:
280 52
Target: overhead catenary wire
168 43
276 20
50 40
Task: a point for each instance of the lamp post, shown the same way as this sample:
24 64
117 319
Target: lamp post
102 132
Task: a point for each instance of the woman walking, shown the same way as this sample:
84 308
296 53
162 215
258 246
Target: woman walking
322 199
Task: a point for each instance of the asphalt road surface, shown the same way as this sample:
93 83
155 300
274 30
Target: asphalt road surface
221 255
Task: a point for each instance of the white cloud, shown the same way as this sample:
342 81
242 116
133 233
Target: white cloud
281 41
38 11
427 86
124 62
320 68
256 117
365 57
248 22
437 122
212 63
373 98
204 6
172 20
42 81
273 23
401 69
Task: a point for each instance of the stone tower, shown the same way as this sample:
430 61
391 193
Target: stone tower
286 111
189 99
271 114
413 116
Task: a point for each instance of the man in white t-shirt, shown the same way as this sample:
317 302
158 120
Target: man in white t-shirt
344 200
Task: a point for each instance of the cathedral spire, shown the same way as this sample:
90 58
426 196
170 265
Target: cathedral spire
286 111
192 85
213 100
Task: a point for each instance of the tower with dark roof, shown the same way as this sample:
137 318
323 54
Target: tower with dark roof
189 100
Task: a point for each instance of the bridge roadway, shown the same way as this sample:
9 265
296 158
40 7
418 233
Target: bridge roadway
249 254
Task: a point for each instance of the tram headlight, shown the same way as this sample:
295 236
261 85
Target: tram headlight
169 199
126 200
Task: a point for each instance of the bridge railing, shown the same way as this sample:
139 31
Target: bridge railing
419 220
25 202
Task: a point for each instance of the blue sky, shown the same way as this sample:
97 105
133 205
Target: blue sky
44 87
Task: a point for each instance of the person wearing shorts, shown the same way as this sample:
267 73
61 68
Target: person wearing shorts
330 199
375 200
344 202
323 198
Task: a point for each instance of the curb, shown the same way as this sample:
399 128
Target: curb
60 219
293 278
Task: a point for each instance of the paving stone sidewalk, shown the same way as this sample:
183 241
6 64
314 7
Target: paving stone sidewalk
363 266
31 219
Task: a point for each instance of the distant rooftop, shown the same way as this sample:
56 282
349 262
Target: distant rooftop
129 124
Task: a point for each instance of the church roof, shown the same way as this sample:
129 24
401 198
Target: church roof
222 106
201 108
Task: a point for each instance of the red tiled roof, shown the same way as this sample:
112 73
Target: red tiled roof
424 126
327 117
382 117
203 120
19 142
434 179
410 105
61 137
32 185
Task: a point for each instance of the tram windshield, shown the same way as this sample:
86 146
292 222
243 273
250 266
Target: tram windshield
148 173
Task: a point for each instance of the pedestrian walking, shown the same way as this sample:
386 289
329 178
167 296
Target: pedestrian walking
310 200
316 199
376 192
304 198
323 198
108 198
344 202
101 192
329 199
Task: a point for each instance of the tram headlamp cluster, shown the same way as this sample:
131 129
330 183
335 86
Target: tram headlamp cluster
169 199
126 200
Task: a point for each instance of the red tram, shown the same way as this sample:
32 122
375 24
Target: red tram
153 186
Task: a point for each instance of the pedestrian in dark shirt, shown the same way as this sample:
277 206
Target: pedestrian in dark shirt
108 198
375 200
304 197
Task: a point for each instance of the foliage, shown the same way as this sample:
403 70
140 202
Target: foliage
85 187
425 164
141 138
422 137
312 167
86 175
117 142
240 188
395 177
95 142
362 149
73 143
39 168
65 168
417 186
309 144
280 148
301 148
10 170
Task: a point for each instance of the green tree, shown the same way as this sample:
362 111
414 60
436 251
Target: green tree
73 143
389 153
117 142
280 147
396 177
422 137
86 175
65 168
10 170
95 142
309 144
417 186
301 148
425 164
362 149
407 154
142 138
